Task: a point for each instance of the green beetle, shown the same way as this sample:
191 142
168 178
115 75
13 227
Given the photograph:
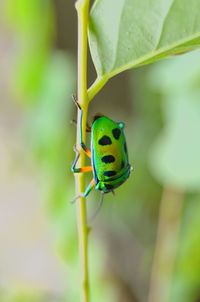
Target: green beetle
109 156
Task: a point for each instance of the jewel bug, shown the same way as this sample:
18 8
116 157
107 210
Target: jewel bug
108 154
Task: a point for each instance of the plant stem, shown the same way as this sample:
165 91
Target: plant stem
166 245
97 86
82 7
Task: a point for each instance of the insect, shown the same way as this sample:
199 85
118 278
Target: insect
109 156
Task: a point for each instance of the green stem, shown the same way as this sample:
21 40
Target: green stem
82 7
97 86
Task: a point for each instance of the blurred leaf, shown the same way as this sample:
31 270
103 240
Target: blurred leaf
19 295
49 136
31 23
179 74
186 279
27 16
175 155
126 34
174 158
50 129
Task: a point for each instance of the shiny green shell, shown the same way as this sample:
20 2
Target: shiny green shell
110 162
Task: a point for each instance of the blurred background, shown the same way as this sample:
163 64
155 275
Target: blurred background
145 241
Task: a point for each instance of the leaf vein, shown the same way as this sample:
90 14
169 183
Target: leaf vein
163 25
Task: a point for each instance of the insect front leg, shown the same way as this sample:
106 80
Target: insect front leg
88 127
82 144
79 170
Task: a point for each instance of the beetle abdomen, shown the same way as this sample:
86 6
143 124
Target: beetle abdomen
109 150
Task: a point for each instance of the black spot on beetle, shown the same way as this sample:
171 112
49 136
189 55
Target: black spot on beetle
110 173
109 187
122 164
105 140
125 147
116 133
108 159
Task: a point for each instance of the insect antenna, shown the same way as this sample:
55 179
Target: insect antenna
98 208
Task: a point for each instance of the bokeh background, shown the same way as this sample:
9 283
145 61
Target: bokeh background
145 242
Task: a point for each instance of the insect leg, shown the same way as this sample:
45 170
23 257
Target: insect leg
87 191
83 169
88 127
86 150
83 146
79 170
89 188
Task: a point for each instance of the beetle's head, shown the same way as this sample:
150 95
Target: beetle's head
97 116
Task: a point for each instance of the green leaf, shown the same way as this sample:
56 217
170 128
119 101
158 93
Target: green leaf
128 33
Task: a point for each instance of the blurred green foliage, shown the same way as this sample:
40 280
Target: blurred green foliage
175 154
174 160
32 25
43 80
163 141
